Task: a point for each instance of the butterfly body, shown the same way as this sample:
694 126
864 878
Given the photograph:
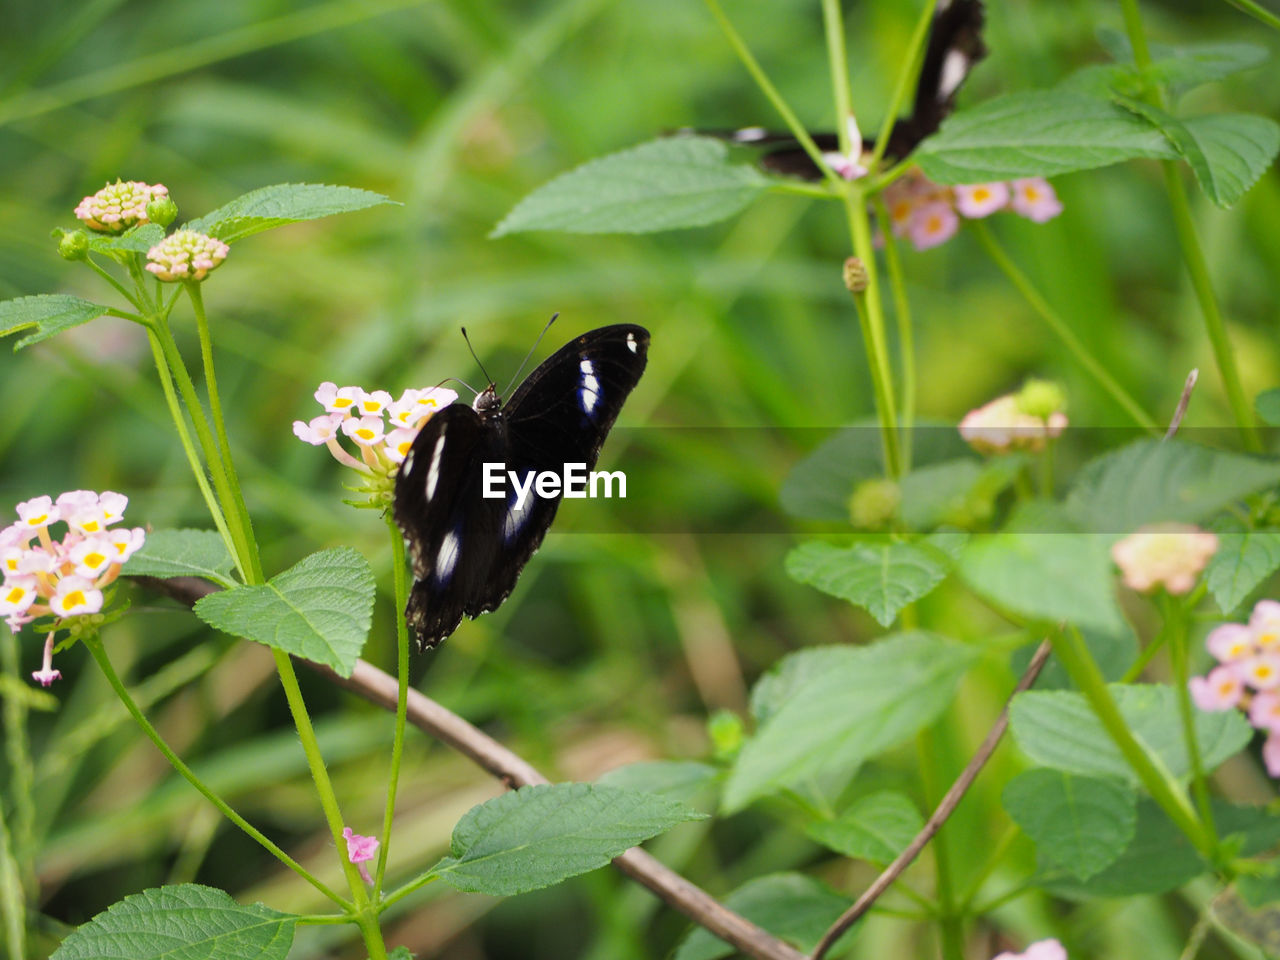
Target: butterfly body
468 548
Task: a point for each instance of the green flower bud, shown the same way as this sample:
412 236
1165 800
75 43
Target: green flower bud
162 210
724 727
74 245
874 503
1042 398
855 275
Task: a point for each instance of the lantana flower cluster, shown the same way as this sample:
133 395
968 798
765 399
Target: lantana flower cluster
381 428
929 213
186 255
62 578
1247 675
1017 421
1169 555
119 206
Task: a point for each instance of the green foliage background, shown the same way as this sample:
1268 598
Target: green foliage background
615 647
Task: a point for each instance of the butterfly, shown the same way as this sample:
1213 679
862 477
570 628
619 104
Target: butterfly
954 46
468 549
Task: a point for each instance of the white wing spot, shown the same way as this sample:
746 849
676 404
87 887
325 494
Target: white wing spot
954 69
750 134
631 342
589 393
515 518
433 471
447 558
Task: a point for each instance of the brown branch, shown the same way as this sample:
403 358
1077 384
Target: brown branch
1181 410
945 808
674 890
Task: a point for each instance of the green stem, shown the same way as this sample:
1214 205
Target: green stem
1144 658
1060 327
871 318
1192 253
324 787
909 72
21 772
193 458
220 428
994 859
1254 10
906 335
100 654
1072 652
838 62
771 92
951 930
401 590
1175 625
120 287
411 887
13 903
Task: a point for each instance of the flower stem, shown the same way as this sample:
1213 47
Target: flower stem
21 772
870 311
1192 253
1255 10
906 335
120 287
193 458
1175 625
1060 327
908 73
771 92
838 62
100 655
400 590
1071 650
220 429
950 929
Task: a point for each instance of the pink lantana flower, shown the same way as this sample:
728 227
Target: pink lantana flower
360 850
980 199
119 205
75 595
1040 950
1222 689
1230 642
932 224
1004 425
1261 672
1264 711
1035 199
1168 555
337 399
46 674
186 255
1264 623
848 166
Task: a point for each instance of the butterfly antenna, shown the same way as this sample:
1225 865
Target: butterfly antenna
460 382
525 361
475 358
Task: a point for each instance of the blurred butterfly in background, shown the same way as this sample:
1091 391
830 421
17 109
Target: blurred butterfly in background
468 549
954 46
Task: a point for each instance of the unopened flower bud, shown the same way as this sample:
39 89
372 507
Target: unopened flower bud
724 727
874 503
185 255
1042 398
74 245
162 210
855 275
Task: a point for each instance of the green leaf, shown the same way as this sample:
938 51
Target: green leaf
182 553
1181 68
31 698
400 953
282 204
876 827
1079 823
1057 729
881 577
137 239
1244 559
679 780
1037 133
960 491
1227 152
540 835
319 609
1267 404
1114 653
1155 481
188 921
49 313
850 704
661 185
1045 573
1160 857
791 906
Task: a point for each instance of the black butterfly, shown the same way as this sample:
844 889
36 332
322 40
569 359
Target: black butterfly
468 549
955 45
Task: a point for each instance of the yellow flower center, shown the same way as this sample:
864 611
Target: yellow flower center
91 526
982 194
14 595
94 560
1268 639
364 433
403 448
1032 194
341 402
73 599
37 521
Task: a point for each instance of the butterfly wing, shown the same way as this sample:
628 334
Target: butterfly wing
561 414
451 528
